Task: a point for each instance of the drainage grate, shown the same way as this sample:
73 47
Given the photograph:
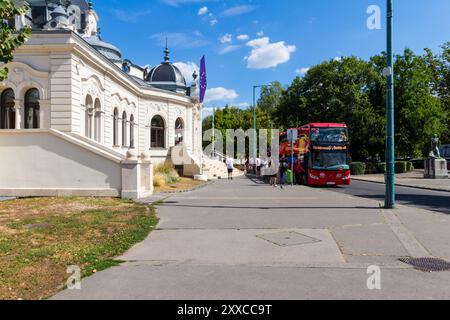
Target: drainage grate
427 264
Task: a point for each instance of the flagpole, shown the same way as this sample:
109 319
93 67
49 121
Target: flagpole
214 132
203 86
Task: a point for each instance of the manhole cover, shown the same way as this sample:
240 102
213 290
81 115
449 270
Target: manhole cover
427 264
288 239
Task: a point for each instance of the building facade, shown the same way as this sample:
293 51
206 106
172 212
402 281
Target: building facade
69 83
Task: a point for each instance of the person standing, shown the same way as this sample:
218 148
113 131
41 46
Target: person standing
298 171
273 168
283 170
230 167
258 167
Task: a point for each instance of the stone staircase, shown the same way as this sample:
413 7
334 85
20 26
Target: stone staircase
217 169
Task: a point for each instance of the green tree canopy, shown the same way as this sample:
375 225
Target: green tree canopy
10 38
270 97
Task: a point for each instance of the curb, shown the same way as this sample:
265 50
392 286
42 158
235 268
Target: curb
404 185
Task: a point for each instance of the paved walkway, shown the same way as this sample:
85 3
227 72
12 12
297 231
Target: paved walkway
244 240
413 179
6 198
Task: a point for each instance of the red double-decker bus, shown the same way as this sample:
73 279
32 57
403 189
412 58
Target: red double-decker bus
324 152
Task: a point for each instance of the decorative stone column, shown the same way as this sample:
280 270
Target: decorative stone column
137 180
45 114
20 111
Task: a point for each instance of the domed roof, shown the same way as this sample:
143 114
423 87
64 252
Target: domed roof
166 72
107 49
167 76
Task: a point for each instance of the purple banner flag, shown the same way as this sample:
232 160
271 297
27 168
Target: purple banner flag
203 81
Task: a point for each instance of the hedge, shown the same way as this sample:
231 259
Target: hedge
358 168
400 167
381 167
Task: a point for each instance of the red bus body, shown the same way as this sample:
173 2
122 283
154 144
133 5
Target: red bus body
323 149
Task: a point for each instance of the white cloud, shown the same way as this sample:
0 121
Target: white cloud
302 71
237 11
266 55
203 11
228 38
220 94
213 22
337 59
187 69
206 112
243 105
243 37
229 49
260 34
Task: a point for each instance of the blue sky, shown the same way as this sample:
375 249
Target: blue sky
248 42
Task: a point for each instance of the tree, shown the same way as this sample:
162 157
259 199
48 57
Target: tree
440 69
270 97
234 118
10 38
419 110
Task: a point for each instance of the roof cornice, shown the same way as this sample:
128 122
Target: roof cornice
72 42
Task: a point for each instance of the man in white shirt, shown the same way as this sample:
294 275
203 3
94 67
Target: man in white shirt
230 167
258 167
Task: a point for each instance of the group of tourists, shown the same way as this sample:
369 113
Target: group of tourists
277 171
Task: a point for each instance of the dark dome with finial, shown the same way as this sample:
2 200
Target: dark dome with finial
166 76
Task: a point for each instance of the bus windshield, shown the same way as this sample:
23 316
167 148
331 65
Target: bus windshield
332 135
327 160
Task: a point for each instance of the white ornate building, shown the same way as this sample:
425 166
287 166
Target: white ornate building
77 118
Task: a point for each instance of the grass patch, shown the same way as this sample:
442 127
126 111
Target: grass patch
41 237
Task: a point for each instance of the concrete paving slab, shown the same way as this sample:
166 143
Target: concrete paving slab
234 247
218 282
369 240
430 229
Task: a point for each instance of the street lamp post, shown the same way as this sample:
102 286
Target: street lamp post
390 141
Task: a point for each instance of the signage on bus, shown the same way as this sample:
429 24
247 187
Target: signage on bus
330 148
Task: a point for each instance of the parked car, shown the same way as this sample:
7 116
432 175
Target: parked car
445 153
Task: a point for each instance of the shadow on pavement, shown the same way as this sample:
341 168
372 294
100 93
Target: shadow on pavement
430 202
262 208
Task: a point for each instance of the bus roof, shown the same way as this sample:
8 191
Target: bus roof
326 125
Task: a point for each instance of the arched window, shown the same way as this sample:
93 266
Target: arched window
179 131
97 121
88 116
157 133
124 129
132 124
116 127
7 111
32 109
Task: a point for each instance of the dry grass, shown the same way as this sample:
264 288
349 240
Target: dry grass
41 237
184 184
